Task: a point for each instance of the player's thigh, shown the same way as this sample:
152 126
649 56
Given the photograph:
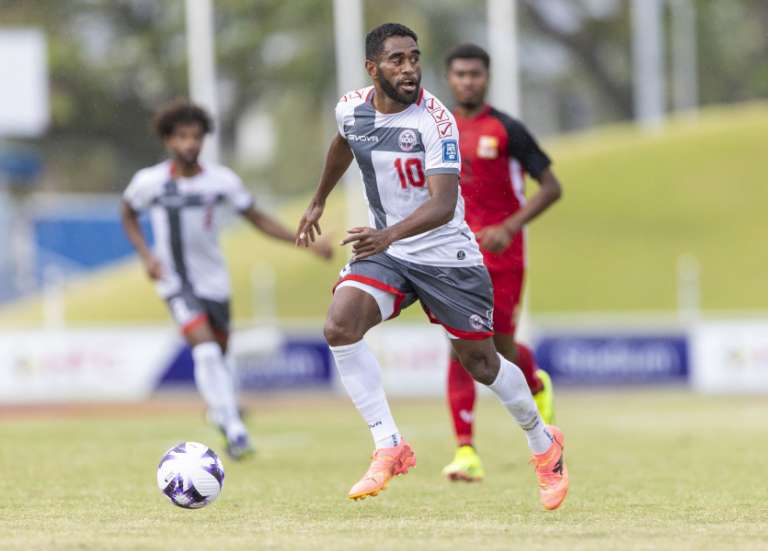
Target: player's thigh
351 314
368 291
189 313
478 357
219 318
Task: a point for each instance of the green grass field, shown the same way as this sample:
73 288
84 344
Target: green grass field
633 202
649 470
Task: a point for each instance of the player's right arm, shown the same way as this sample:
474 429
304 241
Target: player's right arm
137 197
337 162
130 220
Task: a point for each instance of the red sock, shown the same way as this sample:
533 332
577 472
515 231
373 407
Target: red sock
526 361
461 400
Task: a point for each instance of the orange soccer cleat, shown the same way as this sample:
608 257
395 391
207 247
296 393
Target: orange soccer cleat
385 463
552 472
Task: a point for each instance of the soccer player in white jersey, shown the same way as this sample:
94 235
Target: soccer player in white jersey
418 247
182 196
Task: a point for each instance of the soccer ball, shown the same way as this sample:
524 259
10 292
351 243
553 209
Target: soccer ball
191 475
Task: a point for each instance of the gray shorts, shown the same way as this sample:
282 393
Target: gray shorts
189 311
460 299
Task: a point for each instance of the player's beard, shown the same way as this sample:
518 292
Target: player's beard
391 91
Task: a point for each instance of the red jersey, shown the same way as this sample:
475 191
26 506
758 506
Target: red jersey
496 153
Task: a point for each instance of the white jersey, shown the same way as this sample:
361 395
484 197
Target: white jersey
396 153
184 224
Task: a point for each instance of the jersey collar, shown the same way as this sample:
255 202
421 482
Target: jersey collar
174 172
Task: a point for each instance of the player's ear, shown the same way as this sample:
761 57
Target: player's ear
371 68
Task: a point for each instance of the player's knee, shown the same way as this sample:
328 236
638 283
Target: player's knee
482 366
340 333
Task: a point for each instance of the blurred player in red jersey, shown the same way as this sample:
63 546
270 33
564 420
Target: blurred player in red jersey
497 152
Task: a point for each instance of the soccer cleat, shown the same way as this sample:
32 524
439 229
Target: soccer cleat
385 464
552 472
545 398
466 466
240 447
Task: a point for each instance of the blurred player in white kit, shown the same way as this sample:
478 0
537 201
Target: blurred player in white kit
182 195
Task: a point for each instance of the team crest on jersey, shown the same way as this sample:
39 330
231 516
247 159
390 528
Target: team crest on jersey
407 140
450 151
488 147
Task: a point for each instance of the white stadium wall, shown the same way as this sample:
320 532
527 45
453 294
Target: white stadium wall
82 364
123 364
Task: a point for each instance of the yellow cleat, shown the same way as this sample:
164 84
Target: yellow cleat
466 466
545 398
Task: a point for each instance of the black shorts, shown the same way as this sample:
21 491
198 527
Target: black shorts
190 311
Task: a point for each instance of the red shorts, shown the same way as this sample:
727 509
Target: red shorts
507 294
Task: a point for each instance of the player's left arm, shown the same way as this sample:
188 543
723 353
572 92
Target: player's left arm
524 148
436 211
274 228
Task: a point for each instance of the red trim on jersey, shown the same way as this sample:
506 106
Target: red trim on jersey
193 324
421 97
399 295
370 93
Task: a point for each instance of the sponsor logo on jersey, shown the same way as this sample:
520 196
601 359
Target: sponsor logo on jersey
450 151
488 147
407 140
461 255
363 139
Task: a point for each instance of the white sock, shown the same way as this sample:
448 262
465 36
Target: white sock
215 384
513 391
361 375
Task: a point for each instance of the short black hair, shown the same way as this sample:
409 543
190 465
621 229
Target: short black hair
181 111
374 40
468 51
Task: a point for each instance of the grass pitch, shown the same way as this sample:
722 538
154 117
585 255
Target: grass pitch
650 470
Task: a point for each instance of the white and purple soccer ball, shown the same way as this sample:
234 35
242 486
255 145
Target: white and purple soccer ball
191 475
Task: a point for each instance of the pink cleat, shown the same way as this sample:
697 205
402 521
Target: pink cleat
385 463
552 472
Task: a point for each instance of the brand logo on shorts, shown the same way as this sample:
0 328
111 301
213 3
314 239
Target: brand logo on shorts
407 140
461 255
476 322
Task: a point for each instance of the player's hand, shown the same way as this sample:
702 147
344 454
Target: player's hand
309 226
367 242
154 267
495 239
323 249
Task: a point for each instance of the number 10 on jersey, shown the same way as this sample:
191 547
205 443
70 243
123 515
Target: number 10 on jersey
410 172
